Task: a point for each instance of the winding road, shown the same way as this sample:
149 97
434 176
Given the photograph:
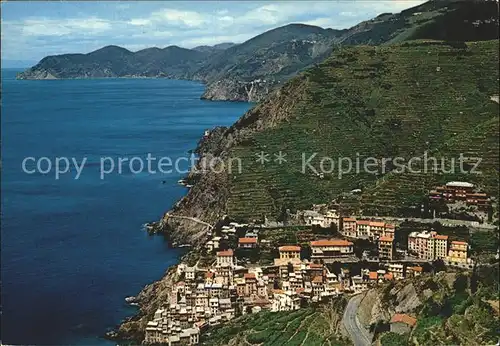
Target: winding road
167 215
359 335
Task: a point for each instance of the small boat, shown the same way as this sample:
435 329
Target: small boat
184 245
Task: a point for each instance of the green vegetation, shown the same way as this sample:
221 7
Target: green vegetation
484 243
310 326
459 313
393 339
376 102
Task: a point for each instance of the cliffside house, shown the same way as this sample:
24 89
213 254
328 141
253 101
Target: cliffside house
402 323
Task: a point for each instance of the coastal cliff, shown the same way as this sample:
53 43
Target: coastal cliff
152 297
234 90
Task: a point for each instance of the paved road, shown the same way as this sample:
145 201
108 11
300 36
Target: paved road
189 218
359 335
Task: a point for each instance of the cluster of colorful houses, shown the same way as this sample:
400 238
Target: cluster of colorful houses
209 296
426 245
431 246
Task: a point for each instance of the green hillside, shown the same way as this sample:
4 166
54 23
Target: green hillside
365 101
311 326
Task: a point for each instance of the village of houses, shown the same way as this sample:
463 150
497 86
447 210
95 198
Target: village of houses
231 286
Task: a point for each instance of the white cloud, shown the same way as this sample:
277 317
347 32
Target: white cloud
55 27
172 16
32 37
139 22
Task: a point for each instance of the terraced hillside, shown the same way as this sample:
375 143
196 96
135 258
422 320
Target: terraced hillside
396 191
302 327
377 102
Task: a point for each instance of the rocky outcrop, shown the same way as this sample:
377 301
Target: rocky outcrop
407 296
151 298
40 74
234 90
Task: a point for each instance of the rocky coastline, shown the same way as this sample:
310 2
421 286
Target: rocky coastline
221 90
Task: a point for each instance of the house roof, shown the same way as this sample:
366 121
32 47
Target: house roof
441 237
389 239
459 184
456 242
363 222
373 276
404 318
377 224
349 219
417 268
289 248
315 265
390 225
249 276
389 276
331 242
225 253
247 240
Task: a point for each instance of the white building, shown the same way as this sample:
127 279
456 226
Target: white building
285 301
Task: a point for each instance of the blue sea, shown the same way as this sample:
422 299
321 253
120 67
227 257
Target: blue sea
73 249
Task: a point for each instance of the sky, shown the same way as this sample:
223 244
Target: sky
33 30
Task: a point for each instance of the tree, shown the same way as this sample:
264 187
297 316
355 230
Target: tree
393 339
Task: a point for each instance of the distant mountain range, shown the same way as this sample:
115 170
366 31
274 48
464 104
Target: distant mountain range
215 48
250 70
